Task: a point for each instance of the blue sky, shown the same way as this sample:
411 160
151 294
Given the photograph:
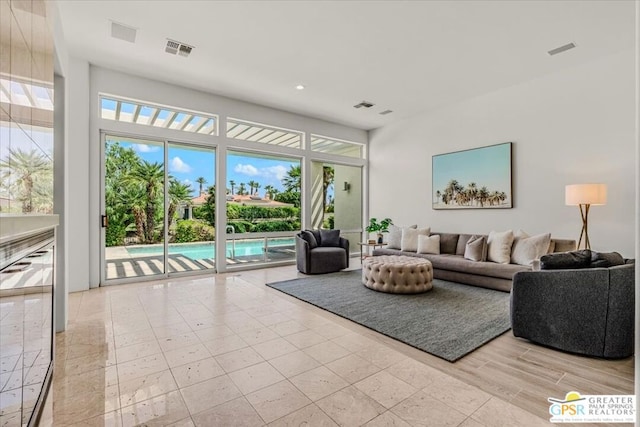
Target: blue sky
489 167
188 163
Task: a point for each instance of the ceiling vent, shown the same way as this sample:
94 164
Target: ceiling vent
365 104
178 48
561 49
385 112
123 32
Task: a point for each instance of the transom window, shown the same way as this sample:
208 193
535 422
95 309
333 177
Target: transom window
143 113
256 132
340 147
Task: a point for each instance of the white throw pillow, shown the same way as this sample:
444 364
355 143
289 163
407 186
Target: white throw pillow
394 238
409 241
429 244
527 248
499 246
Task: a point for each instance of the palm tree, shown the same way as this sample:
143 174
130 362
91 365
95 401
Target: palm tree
472 191
293 180
268 189
483 196
241 189
232 183
22 172
133 197
257 186
200 181
251 185
151 176
178 193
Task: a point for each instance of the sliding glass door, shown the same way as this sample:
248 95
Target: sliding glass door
159 208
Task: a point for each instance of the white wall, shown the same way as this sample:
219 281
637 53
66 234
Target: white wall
574 126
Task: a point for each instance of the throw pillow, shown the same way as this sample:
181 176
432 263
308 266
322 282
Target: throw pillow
499 246
476 248
409 241
309 238
552 247
429 244
527 248
606 260
329 237
566 260
316 234
394 238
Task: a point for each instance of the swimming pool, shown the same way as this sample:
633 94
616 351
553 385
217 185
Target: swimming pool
207 250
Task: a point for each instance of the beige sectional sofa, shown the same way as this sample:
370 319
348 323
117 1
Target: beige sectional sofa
451 265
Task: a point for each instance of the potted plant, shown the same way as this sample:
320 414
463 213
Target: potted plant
379 227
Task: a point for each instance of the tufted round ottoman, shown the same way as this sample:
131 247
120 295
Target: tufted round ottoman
397 274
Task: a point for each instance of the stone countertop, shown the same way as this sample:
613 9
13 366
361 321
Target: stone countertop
13 225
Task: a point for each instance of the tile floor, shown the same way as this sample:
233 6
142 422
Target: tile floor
225 350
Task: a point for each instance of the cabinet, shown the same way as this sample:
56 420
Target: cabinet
26 325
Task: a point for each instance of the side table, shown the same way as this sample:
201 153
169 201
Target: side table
368 246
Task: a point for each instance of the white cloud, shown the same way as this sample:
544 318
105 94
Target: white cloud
246 169
177 165
278 172
187 182
144 148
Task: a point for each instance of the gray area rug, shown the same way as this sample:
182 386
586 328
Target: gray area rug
449 321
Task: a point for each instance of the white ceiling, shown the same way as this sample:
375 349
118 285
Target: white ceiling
406 56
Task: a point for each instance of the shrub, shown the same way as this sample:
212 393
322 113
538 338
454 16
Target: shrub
115 234
192 230
287 225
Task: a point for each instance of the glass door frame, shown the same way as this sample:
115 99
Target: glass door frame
165 142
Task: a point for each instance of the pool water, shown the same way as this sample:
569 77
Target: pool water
207 250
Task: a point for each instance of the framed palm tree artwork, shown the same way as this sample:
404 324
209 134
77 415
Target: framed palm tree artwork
478 178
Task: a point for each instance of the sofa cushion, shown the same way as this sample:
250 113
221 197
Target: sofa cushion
527 248
308 236
448 242
394 239
429 244
329 238
462 243
409 240
606 259
499 246
566 260
476 248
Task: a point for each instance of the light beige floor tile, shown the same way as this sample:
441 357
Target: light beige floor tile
83 364
239 359
195 372
354 342
327 352
235 413
455 393
310 415
277 400
295 363
413 372
470 422
187 422
305 339
141 367
225 344
510 415
272 319
350 407
288 327
144 388
110 419
385 389
207 394
134 338
318 383
332 330
423 410
257 336
157 411
68 408
388 419
136 351
189 354
381 356
353 368
274 348
214 332
255 377
178 341
239 325
176 329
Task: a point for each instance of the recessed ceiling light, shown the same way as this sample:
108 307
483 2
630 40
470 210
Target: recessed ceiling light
300 87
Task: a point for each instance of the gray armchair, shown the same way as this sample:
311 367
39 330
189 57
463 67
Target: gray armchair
588 311
321 251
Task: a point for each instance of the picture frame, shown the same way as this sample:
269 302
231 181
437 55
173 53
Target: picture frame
477 178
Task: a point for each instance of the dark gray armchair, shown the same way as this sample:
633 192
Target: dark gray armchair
321 251
588 311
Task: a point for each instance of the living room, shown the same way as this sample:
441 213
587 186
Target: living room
570 119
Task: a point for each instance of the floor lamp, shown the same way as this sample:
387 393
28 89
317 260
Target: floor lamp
585 195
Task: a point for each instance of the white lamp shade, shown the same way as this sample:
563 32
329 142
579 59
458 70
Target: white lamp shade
585 194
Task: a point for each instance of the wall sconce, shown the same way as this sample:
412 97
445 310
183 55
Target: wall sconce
346 186
585 195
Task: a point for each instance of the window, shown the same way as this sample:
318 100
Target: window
248 131
324 144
